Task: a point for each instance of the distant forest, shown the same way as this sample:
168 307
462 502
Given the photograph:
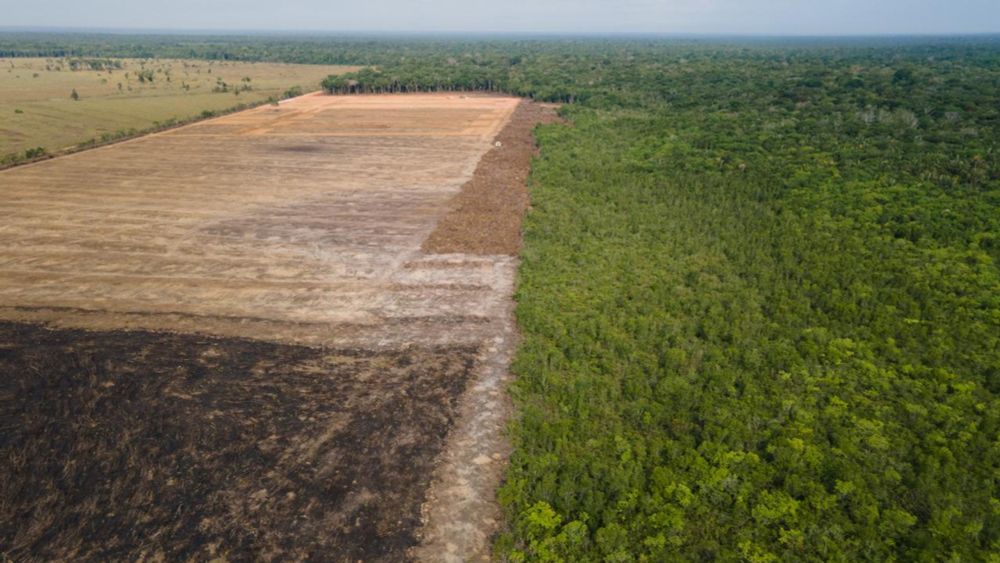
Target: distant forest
760 290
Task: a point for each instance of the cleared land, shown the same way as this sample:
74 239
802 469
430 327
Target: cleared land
485 218
300 223
226 340
36 109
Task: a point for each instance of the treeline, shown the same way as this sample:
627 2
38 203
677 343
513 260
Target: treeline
372 81
94 64
601 71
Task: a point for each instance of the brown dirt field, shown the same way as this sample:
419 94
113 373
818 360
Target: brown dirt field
485 218
300 223
225 341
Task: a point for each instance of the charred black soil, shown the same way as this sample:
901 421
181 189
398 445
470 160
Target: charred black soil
141 445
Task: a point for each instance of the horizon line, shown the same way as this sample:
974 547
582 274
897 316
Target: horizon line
595 33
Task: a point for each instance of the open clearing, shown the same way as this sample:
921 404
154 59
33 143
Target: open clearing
225 339
36 109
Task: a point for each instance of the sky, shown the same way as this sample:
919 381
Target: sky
755 17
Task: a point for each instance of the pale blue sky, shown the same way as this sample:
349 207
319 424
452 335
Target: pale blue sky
794 17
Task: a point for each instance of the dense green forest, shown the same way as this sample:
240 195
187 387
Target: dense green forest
761 322
760 291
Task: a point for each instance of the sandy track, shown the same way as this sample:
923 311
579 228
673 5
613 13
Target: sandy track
299 227
461 513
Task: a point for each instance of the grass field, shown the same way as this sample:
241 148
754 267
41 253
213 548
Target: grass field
117 95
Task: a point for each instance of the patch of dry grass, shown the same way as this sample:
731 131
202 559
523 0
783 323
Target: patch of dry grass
37 110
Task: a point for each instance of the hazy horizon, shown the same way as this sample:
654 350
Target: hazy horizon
677 17
368 33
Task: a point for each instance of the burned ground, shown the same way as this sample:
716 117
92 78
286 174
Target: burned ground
123 444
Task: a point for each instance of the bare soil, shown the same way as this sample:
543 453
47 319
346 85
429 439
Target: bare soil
300 223
485 217
225 341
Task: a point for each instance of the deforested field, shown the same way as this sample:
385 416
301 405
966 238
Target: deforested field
225 340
